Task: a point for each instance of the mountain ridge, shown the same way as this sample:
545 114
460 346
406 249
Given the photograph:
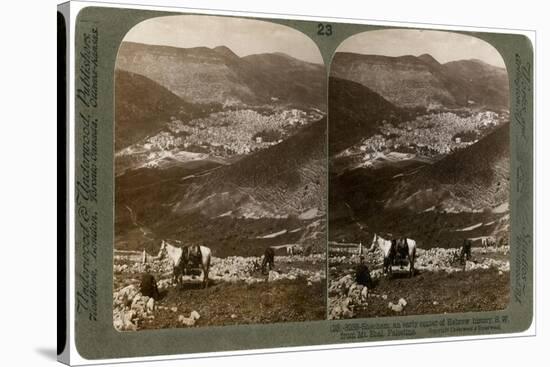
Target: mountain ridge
218 75
421 81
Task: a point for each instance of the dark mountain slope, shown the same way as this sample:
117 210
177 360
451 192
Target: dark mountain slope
355 112
475 178
288 79
435 204
143 107
286 179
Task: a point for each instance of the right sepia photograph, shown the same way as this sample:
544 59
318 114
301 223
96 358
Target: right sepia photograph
419 175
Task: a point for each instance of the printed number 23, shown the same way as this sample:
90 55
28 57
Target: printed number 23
324 29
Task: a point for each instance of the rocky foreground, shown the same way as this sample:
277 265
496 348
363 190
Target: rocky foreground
133 311
439 275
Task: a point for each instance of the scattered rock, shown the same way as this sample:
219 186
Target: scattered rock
191 320
120 268
124 321
187 321
395 307
399 306
273 275
131 306
347 313
125 296
434 259
344 296
341 311
164 283
151 305
364 294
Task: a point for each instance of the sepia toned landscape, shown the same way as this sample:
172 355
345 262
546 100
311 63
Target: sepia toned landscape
220 171
222 175
419 173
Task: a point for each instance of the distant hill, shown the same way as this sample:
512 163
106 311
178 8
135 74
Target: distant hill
474 80
290 80
410 81
286 179
143 107
405 81
204 75
474 178
227 207
433 203
355 112
429 60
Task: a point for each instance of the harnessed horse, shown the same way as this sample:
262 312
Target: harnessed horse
407 247
182 257
392 248
386 247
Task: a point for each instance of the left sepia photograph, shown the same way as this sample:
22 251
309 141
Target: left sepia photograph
220 174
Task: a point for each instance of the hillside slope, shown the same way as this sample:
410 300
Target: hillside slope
411 82
405 81
475 178
286 179
355 112
478 82
143 107
288 79
204 75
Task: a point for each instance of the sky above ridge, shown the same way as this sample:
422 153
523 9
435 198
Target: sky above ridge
243 36
443 46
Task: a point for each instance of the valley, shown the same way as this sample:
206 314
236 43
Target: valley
420 150
226 152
